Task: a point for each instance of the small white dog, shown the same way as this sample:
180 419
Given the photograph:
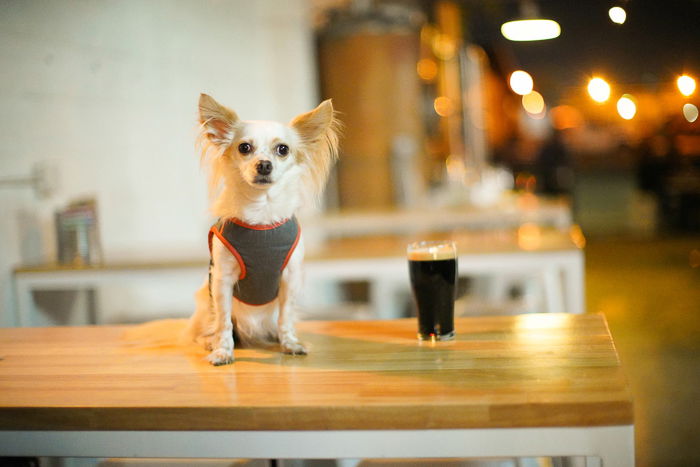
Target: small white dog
260 174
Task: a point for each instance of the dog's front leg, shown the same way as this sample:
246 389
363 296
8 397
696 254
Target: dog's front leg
223 275
290 286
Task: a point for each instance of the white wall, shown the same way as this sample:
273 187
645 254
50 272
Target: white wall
106 91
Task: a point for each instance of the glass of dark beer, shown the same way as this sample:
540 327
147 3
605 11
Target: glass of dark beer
433 270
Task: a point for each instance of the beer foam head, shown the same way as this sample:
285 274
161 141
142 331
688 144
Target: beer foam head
431 251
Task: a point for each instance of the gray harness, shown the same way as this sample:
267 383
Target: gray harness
262 252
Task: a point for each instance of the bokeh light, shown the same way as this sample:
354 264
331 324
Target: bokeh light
427 69
444 47
526 182
690 112
533 103
529 236
521 82
599 90
617 14
627 107
686 85
443 106
565 116
530 30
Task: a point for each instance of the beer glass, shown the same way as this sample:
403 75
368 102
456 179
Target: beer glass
433 271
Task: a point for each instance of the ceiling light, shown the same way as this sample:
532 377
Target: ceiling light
521 82
690 112
533 103
617 15
627 107
599 90
530 26
686 85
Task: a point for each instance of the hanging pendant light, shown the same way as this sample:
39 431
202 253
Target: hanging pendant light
530 26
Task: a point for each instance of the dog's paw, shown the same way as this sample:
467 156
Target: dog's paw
220 357
294 348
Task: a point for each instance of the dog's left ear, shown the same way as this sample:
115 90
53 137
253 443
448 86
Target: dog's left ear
318 131
314 124
218 122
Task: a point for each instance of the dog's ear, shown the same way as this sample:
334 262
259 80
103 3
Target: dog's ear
318 131
218 122
314 124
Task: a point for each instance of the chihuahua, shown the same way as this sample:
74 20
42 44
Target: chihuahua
261 173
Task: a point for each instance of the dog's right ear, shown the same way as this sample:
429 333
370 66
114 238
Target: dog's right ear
218 122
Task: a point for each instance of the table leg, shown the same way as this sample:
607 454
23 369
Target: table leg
24 304
574 284
616 449
91 312
553 290
385 298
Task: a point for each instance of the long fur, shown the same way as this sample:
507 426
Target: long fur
312 138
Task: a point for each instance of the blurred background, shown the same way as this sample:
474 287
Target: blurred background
587 129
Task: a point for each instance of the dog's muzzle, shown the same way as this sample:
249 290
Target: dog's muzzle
262 180
264 167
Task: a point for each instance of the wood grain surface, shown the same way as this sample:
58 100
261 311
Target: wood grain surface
515 371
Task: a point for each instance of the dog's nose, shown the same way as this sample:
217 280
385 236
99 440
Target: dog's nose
264 167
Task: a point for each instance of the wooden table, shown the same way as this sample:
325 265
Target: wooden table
529 385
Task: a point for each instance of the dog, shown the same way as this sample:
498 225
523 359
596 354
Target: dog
260 174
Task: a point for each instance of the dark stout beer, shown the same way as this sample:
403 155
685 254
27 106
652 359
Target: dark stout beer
433 272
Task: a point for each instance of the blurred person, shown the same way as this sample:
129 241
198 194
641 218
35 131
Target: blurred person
653 164
554 166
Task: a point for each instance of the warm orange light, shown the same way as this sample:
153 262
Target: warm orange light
577 236
686 85
521 82
444 106
565 117
533 103
427 69
526 182
456 169
526 323
529 236
627 107
444 47
599 90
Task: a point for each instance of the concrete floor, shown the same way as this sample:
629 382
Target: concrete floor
649 290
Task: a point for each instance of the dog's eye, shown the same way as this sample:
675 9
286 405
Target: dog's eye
282 150
245 148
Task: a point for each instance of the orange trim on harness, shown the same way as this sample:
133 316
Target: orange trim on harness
291 250
257 226
230 248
